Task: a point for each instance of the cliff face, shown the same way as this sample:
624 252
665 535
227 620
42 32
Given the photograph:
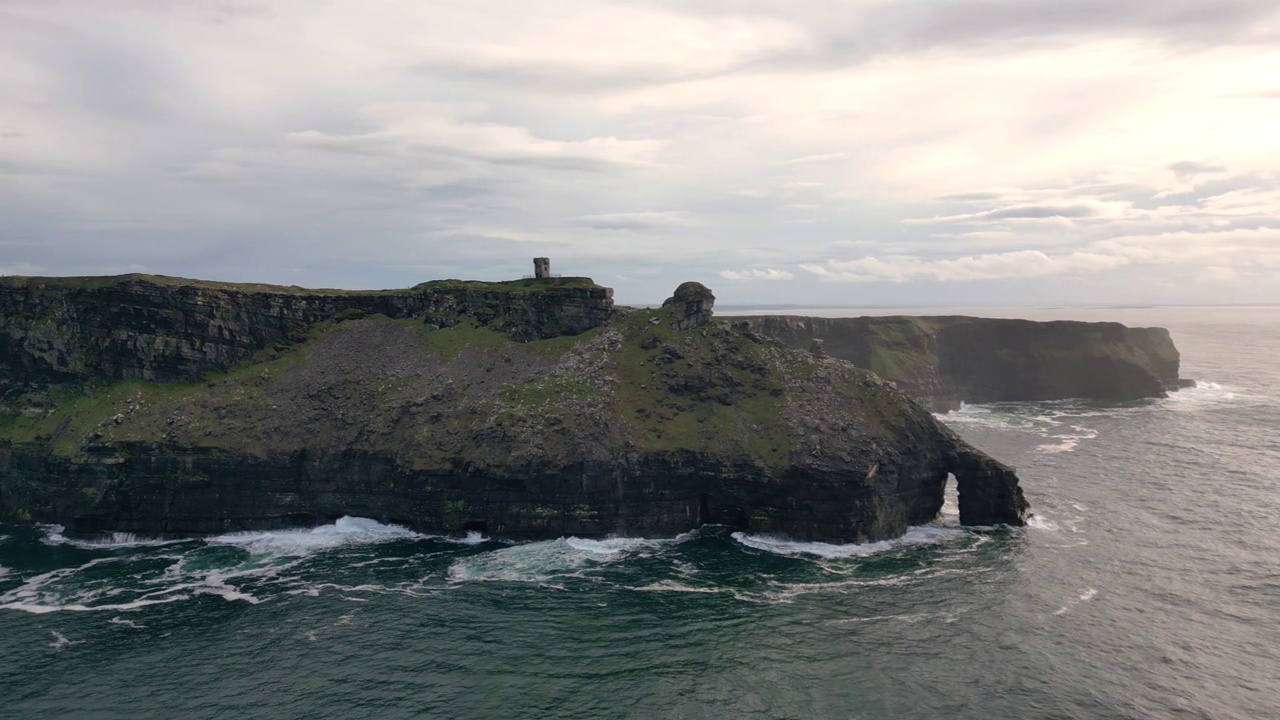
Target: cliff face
944 361
71 330
422 409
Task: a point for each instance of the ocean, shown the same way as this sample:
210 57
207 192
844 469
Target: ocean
1146 586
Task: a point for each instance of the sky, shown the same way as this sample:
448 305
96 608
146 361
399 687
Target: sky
821 152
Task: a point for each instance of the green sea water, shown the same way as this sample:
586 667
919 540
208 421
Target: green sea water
1147 585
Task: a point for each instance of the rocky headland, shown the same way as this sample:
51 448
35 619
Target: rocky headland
531 408
946 360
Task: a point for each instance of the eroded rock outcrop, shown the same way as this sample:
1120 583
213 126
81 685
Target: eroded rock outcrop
633 427
691 306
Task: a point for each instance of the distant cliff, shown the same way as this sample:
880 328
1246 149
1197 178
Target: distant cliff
944 361
525 409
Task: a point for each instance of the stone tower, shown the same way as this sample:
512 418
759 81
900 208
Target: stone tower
542 267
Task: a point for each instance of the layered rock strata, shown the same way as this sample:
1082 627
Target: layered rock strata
71 330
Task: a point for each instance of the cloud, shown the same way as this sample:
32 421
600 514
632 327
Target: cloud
1022 264
921 142
811 159
426 130
648 220
587 47
756 274
1063 211
1190 169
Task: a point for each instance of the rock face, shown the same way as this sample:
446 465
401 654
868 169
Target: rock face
439 419
60 330
690 306
943 361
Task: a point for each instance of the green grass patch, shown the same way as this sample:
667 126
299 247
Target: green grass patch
705 389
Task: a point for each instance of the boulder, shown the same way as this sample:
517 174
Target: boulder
690 306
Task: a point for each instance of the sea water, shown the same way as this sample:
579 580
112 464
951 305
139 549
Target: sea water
1147 585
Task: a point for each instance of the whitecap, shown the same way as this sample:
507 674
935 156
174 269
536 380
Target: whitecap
920 535
1203 394
1040 522
1068 442
677 587
471 538
60 641
346 531
104 541
1085 596
905 617
126 623
540 562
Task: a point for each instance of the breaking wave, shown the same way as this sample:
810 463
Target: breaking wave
356 558
922 535
346 531
542 562
235 567
105 541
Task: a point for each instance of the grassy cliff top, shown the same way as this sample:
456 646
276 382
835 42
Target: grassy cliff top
106 281
433 397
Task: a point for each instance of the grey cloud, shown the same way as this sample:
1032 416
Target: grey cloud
635 220
843 37
561 77
1189 169
1039 212
846 37
103 76
977 196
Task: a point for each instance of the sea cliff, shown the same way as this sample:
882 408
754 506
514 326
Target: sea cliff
525 409
946 360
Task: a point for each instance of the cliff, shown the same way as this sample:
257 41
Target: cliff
528 409
72 330
943 361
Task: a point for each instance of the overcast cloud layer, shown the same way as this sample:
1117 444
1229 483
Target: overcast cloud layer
790 151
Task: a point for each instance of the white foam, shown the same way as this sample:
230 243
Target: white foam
1204 394
676 587
920 535
540 562
198 570
1085 596
126 623
472 538
4 571
905 617
60 641
105 541
1040 522
1068 443
346 531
